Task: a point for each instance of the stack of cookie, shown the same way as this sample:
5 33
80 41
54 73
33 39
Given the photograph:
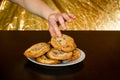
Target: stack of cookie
55 51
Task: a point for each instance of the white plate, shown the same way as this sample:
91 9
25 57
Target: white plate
64 63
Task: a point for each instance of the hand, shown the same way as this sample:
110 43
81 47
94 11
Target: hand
60 18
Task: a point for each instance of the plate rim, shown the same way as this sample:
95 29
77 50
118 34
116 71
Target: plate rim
80 59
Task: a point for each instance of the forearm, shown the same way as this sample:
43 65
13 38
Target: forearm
37 7
41 9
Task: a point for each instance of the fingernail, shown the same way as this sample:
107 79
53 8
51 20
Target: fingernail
60 35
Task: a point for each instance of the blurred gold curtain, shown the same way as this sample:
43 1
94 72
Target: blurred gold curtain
90 15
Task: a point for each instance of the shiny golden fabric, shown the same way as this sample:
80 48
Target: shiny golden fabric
90 15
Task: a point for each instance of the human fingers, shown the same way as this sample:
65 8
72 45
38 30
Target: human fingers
54 30
61 21
71 15
51 30
68 17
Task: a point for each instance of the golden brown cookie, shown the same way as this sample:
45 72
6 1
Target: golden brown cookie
75 55
59 55
37 50
43 59
64 43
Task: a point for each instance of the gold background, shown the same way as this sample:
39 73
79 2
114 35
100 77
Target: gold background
90 15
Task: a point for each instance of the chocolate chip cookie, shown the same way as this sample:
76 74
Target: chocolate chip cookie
45 60
59 55
64 43
37 50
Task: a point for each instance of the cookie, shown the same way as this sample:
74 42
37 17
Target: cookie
75 55
64 43
59 55
43 59
37 50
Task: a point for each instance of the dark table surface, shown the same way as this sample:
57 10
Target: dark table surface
102 62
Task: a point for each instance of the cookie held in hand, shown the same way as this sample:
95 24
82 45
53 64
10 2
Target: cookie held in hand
37 50
64 43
